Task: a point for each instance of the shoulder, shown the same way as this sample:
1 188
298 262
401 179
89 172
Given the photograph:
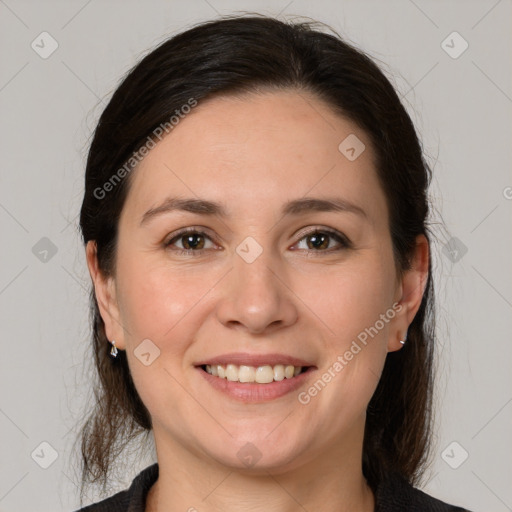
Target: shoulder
117 503
130 500
397 494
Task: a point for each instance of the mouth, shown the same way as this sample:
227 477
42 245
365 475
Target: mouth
263 374
255 378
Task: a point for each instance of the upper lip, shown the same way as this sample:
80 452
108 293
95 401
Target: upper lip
240 358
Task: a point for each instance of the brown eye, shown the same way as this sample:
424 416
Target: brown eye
189 241
318 241
192 241
323 240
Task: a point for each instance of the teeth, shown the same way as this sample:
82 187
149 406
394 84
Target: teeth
278 372
262 374
231 372
245 374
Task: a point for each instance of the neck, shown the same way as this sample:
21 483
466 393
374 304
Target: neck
331 481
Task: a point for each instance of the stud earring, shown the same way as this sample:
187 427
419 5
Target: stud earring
113 350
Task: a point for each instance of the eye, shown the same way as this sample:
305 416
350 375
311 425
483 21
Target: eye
321 240
190 241
194 241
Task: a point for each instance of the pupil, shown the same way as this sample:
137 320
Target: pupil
192 242
318 241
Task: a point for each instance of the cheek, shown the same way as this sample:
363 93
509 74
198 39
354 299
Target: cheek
156 301
351 298
161 305
355 306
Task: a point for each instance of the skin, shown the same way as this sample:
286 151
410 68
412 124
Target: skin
253 154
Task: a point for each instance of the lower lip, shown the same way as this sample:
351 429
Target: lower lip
253 392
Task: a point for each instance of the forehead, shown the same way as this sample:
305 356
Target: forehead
259 150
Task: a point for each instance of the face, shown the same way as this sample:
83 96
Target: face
289 264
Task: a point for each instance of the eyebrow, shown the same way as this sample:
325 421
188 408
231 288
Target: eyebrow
293 207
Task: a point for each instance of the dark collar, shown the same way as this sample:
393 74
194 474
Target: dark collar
140 488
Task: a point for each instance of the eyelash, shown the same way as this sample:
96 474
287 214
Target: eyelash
341 239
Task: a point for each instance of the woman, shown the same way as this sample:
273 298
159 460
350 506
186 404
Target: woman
255 221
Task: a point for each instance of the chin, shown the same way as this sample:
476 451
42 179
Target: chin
259 454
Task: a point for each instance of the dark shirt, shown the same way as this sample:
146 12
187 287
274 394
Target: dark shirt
394 495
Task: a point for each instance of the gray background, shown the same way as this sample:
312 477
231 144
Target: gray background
462 109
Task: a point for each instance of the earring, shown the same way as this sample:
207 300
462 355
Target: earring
405 339
113 350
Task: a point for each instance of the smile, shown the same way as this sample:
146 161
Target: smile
264 374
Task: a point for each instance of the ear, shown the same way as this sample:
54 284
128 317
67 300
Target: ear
410 292
104 289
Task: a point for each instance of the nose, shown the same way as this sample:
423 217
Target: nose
256 298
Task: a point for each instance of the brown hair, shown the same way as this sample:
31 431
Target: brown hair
236 55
